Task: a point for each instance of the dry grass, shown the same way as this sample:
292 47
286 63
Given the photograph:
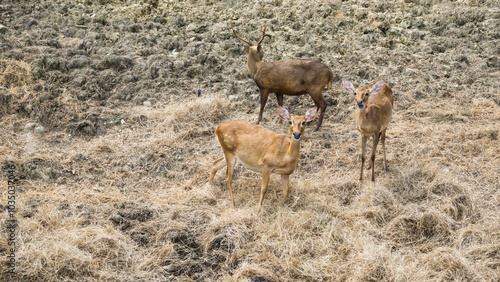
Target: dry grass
131 202
14 73
135 203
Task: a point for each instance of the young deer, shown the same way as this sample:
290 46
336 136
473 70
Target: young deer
261 150
288 77
373 114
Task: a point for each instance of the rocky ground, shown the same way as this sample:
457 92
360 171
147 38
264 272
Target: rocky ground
108 108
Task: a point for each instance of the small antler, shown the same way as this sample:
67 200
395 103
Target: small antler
246 41
263 34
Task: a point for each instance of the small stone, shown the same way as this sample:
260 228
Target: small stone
29 126
117 219
445 170
3 29
147 103
232 97
191 27
39 129
31 23
39 174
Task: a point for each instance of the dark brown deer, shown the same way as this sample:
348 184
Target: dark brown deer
287 77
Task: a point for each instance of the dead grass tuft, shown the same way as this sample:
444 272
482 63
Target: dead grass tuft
255 272
486 257
445 264
412 186
199 117
420 228
14 73
227 234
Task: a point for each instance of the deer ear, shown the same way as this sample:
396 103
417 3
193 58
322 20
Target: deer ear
311 114
377 87
246 48
284 114
348 86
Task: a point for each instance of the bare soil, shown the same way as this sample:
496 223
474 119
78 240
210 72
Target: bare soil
108 111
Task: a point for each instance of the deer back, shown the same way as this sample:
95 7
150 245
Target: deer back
251 144
386 90
293 77
378 112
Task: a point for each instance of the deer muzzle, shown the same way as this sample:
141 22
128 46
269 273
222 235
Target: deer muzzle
360 104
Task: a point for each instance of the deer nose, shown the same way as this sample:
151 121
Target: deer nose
296 135
359 102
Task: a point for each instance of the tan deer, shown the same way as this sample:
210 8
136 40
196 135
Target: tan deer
373 114
261 150
287 77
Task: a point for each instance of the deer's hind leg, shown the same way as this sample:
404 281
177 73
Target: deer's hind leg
231 161
376 137
320 103
219 163
266 174
363 156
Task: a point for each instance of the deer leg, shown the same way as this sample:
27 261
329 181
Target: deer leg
363 152
376 137
231 161
284 182
266 173
280 99
320 103
219 163
383 147
263 100
371 164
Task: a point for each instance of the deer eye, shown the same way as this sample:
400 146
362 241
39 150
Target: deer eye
302 123
290 122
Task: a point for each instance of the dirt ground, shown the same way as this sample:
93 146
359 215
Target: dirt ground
108 111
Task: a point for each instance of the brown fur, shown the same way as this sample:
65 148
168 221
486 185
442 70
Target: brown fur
261 150
287 77
372 120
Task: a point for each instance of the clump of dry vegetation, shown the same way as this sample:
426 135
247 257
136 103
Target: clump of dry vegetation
108 111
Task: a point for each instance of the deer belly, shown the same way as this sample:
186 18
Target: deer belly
256 168
289 91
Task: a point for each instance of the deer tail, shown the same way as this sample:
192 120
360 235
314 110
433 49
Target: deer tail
330 81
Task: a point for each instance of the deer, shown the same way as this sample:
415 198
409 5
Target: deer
261 150
286 77
373 114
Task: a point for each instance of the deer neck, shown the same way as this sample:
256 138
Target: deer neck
293 148
369 113
253 61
